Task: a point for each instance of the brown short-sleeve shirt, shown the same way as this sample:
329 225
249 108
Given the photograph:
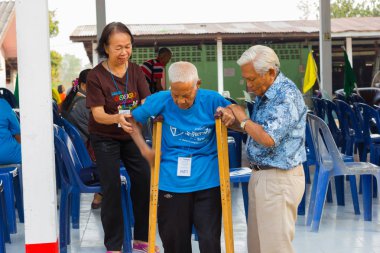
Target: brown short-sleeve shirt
101 91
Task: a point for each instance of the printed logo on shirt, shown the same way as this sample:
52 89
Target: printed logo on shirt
125 101
196 136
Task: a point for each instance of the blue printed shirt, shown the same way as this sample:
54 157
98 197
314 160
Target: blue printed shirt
281 111
186 133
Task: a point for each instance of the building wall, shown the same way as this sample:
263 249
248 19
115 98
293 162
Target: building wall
292 57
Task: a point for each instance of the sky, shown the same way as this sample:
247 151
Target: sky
73 13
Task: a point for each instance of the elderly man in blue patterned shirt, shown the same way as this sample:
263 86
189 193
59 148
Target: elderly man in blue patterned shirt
275 149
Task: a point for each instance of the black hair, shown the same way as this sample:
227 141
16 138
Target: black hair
164 50
106 34
60 88
66 104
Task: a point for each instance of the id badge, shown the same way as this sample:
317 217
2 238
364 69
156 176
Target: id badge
124 112
184 167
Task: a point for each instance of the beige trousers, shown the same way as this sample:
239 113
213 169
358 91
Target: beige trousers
274 196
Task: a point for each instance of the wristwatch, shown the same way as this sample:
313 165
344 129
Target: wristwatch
243 122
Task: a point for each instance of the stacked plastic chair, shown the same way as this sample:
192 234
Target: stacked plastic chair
331 164
69 168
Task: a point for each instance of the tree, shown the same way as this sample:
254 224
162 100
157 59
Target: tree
341 8
55 60
55 57
70 68
53 25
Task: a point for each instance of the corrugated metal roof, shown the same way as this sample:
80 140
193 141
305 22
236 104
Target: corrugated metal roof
361 24
6 9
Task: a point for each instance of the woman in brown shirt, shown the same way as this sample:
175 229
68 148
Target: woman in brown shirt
115 87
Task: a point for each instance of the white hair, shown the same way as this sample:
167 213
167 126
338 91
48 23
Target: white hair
184 72
262 58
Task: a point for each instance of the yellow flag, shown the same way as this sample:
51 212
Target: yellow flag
310 73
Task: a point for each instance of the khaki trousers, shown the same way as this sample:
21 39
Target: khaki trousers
274 196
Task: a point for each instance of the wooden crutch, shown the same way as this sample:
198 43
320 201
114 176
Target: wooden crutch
225 189
154 179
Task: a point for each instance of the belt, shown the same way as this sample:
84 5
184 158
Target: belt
260 167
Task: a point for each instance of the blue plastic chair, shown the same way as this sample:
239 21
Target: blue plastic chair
11 175
88 171
69 167
371 128
319 107
351 128
331 164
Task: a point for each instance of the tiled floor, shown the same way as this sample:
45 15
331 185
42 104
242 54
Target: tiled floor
340 232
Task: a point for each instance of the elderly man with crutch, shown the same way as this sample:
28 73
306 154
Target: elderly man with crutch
189 183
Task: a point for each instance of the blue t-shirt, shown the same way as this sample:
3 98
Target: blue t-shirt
186 133
10 149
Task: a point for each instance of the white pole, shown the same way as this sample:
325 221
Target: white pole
349 50
38 167
95 56
325 48
100 23
219 48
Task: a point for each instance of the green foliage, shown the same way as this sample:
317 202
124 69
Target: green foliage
55 59
53 24
70 68
341 8
350 8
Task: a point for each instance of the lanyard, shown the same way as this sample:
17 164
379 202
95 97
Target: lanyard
114 82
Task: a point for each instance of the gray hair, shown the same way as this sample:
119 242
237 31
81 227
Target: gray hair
262 58
184 72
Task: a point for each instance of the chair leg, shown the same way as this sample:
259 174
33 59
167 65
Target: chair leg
9 201
64 219
320 200
127 245
75 208
19 197
367 197
329 198
3 220
354 193
339 190
313 193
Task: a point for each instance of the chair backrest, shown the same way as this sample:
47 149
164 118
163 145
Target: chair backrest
371 120
309 145
77 141
332 116
70 165
349 120
57 119
319 107
9 97
357 98
327 153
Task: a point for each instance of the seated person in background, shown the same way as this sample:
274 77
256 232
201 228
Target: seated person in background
74 109
189 192
57 98
62 92
10 147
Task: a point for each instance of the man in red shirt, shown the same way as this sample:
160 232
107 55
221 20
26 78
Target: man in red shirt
154 68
